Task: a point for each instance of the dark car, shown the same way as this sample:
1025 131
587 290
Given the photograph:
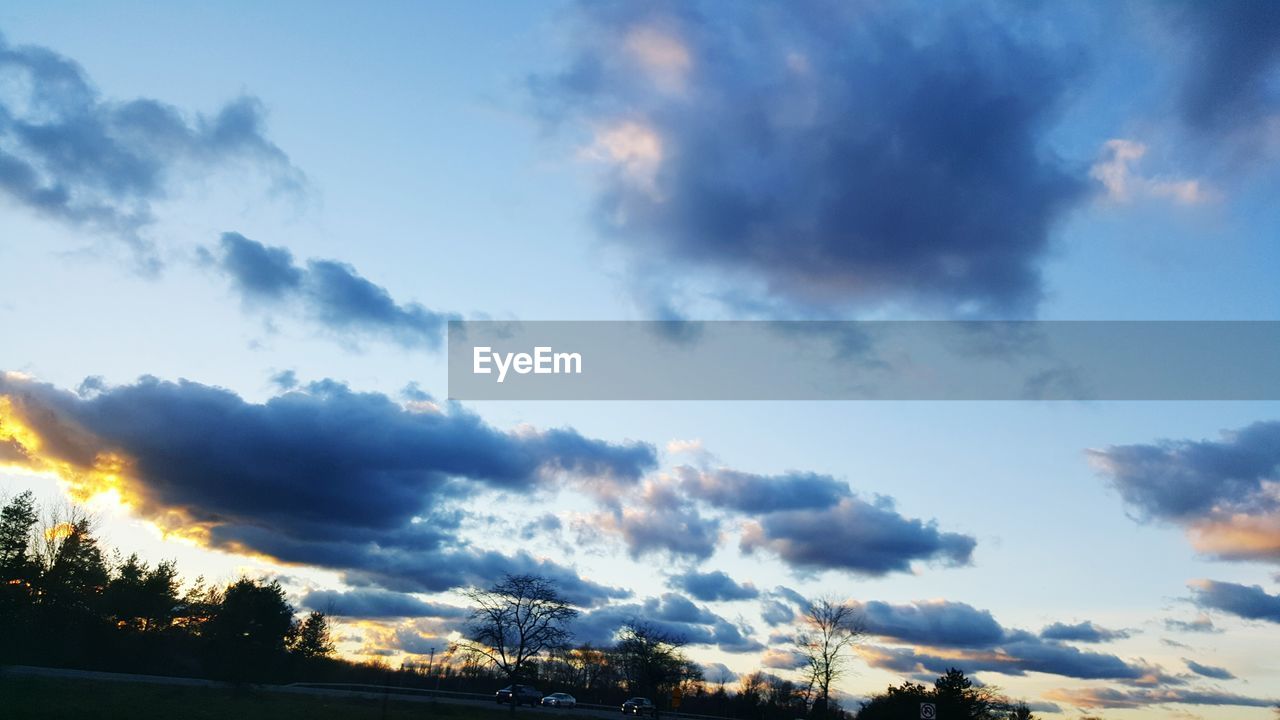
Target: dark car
522 695
639 706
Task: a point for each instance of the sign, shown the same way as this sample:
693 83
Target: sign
928 711
676 696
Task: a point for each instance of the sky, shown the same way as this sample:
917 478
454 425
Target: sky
231 236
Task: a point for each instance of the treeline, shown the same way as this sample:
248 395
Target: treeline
65 601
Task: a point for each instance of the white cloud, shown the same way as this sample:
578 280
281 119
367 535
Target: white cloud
1116 173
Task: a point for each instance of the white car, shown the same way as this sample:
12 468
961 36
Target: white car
559 700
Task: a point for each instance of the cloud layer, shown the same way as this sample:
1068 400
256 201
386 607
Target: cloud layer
1225 492
330 293
327 477
826 153
71 155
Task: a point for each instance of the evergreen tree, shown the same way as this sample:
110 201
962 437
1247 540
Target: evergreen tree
313 638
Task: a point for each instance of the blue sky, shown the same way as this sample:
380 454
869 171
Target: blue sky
1092 161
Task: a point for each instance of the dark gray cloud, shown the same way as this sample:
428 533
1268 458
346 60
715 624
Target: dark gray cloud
328 292
544 525
1236 51
285 380
936 623
671 613
375 603
751 493
1224 492
855 536
414 642
1209 671
71 155
1139 698
973 640
1250 602
828 154
781 606
1186 479
1015 659
1019 657
681 531
1085 631
714 585
329 477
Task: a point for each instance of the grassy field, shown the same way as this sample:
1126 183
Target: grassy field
38 698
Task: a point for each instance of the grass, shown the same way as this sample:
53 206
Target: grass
41 698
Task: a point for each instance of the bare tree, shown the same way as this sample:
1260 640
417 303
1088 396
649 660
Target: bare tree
829 630
515 621
651 660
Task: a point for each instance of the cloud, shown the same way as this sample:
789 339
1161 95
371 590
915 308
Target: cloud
374 603
71 155
330 293
328 477
936 623
755 494
672 614
715 585
415 643
718 672
1138 698
1209 671
780 659
855 536
946 634
1225 492
1236 51
1250 602
781 606
660 521
1085 631
1017 657
285 380
1114 170
1201 624
681 532
831 155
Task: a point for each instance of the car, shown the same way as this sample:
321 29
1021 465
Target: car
639 706
560 700
520 694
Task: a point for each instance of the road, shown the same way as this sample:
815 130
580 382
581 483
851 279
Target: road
333 690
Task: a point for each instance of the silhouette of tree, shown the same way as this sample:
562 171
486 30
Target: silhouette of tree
1021 711
953 693
515 621
902 701
249 630
18 572
751 688
74 572
313 639
651 660
957 697
17 519
829 629
139 597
